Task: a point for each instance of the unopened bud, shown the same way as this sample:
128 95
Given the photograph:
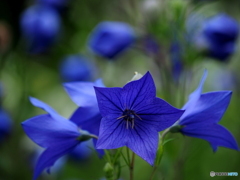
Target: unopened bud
108 169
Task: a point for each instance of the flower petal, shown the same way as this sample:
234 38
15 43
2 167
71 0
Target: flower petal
208 109
194 96
144 142
87 118
215 134
82 93
136 92
90 121
158 113
140 139
46 131
109 101
50 155
113 133
36 102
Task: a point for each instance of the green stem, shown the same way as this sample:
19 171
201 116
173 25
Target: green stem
131 167
107 156
159 157
153 172
128 156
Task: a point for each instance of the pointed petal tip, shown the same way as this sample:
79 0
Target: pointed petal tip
148 74
32 99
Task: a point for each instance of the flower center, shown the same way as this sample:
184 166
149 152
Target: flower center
129 116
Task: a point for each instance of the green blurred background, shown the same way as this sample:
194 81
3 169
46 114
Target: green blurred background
23 75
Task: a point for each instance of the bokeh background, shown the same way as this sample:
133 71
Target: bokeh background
44 43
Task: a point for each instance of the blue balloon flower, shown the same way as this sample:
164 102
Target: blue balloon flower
76 68
40 26
55 133
56 4
83 94
109 39
5 124
221 32
202 114
133 116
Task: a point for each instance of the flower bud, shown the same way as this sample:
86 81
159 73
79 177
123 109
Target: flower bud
40 27
108 169
76 68
110 38
221 32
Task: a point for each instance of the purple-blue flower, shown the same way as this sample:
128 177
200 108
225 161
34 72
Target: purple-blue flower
133 116
40 26
76 68
5 124
51 131
202 114
110 38
221 32
83 94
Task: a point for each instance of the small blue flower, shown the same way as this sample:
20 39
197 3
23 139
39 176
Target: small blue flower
56 4
109 39
51 131
5 124
83 94
202 114
76 68
221 32
133 116
40 26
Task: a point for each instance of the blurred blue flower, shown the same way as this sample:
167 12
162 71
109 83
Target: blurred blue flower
56 4
221 32
202 114
40 27
76 68
82 151
109 39
55 133
5 124
83 94
133 116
